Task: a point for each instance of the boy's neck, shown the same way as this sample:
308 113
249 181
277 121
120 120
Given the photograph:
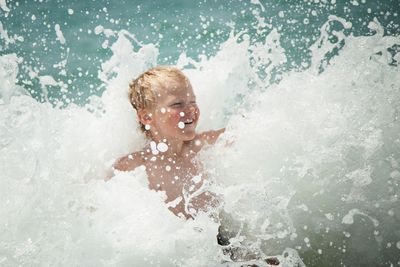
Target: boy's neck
174 148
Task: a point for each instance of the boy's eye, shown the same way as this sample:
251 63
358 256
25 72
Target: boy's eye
177 104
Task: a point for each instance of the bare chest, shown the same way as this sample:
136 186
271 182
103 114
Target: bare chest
174 177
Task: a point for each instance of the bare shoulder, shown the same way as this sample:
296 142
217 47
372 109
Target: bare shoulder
210 137
129 162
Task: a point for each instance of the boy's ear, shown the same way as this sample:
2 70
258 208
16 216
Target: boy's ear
144 116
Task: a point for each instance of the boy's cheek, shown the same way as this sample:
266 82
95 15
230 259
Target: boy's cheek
175 114
168 113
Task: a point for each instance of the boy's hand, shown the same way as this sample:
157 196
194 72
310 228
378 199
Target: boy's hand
211 137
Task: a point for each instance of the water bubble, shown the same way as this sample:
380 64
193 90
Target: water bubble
153 147
181 125
104 45
168 168
348 218
162 147
181 114
196 179
398 244
163 110
147 127
98 29
197 142
354 3
70 11
60 36
329 216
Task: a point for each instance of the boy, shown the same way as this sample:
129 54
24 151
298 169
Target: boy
168 114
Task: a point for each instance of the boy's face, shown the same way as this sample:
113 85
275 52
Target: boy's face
175 114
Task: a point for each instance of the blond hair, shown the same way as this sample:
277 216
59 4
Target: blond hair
142 89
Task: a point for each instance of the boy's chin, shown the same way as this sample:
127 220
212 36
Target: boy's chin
188 135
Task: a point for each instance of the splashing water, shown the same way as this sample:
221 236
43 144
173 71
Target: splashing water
312 164
324 150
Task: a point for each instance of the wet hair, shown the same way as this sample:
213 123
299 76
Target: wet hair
142 89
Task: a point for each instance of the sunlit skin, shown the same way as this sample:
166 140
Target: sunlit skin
172 120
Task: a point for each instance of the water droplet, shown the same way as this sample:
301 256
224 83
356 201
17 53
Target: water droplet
329 216
153 147
181 125
162 147
196 179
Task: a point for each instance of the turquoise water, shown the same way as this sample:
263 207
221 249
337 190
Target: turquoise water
196 28
309 93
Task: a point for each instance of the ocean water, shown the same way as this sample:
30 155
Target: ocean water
309 92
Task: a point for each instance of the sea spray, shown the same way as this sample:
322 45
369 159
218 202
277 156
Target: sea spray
308 166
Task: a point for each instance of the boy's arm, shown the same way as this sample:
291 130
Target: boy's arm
210 137
127 163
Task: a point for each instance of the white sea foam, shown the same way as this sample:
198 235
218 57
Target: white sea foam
3 5
316 139
59 33
7 38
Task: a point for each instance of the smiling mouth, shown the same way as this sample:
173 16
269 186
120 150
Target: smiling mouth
188 122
